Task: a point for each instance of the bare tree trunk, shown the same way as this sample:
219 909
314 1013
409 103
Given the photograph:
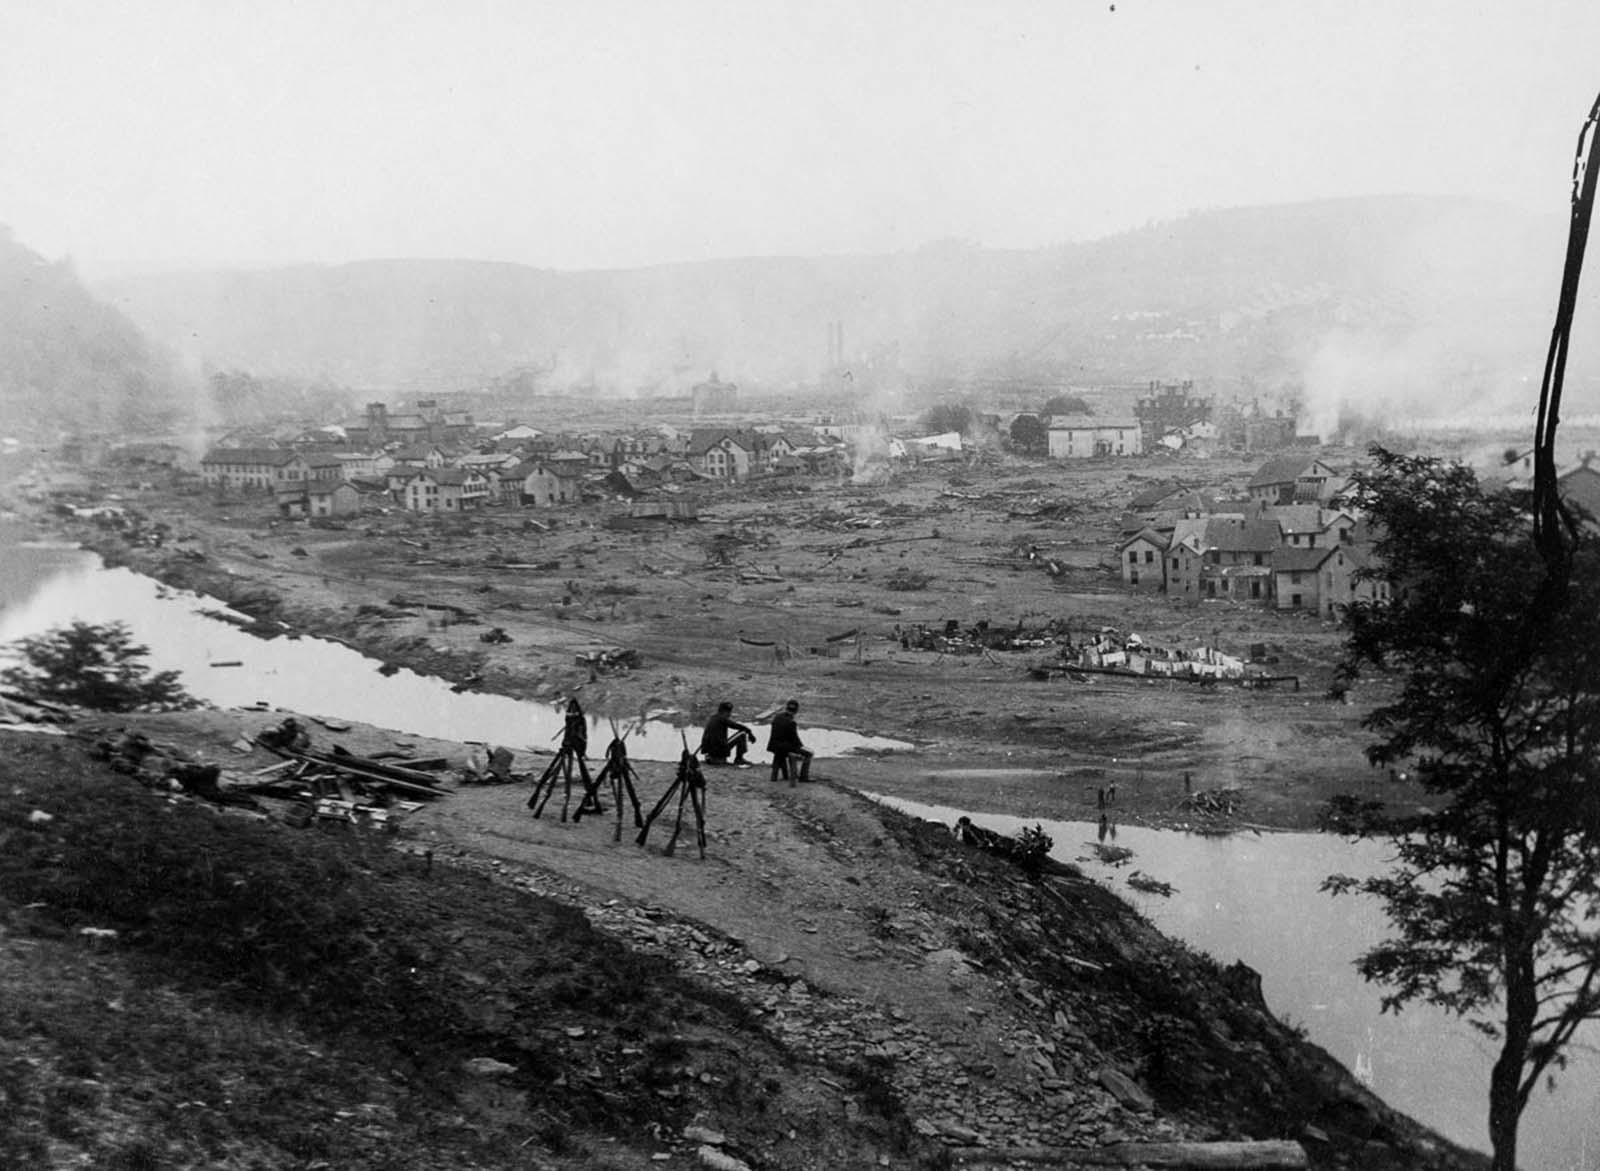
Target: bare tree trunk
1505 1081
1505 1111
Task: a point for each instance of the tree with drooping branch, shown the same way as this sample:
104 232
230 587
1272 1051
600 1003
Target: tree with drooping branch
1494 895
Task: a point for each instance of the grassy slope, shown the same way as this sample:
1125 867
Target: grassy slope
273 1000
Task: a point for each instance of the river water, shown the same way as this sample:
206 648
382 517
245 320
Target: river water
45 585
1255 897
1249 897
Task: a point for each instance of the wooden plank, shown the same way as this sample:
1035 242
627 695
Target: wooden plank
1195 1156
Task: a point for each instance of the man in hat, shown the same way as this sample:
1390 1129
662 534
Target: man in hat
783 742
724 735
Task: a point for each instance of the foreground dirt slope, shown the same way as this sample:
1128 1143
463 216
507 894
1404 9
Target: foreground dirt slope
1005 1014
1009 1014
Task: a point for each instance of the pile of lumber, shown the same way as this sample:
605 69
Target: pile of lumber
338 785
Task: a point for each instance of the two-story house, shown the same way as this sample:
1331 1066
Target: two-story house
1215 557
1143 557
444 490
1088 436
1295 479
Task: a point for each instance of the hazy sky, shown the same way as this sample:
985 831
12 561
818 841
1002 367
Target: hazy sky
598 133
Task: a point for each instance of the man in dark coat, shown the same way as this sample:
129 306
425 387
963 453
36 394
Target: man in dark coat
723 735
784 743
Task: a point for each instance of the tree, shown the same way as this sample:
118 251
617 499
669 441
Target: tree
1493 895
1029 435
98 667
1065 404
948 417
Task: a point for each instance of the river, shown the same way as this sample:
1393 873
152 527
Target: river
45 585
1251 897
1255 897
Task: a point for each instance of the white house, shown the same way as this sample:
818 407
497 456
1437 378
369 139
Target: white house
1084 437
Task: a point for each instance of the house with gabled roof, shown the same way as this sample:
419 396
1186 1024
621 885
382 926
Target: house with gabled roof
1162 505
1308 526
444 490
1321 580
1580 486
1143 558
1217 557
1088 436
1295 479
545 484
725 454
332 498
420 455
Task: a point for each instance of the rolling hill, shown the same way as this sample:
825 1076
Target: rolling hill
1410 300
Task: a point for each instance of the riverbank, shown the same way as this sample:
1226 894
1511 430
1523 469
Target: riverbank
921 1002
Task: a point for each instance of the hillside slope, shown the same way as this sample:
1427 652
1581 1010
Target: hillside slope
1407 292
68 359
507 992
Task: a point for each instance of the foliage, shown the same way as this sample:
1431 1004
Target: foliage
98 667
948 417
1029 435
1033 848
1064 404
1493 894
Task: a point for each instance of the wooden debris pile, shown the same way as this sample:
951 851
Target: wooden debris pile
953 639
1139 880
1215 802
338 785
608 659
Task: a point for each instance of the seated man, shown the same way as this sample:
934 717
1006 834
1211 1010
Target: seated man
724 735
783 741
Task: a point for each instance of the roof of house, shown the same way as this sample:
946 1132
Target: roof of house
1091 423
1284 469
1159 540
323 459
327 487
1290 559
1246 536
271 456
1297 518
703 439
452 477
1226 535
1155 494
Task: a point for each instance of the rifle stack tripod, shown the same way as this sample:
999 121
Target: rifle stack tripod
688 785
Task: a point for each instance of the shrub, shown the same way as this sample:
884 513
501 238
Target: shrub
92 666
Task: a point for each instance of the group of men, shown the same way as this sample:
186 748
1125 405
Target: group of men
724 737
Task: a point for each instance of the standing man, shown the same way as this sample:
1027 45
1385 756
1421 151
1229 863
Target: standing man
724 734
783 741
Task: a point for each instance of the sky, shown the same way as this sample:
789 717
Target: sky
617 133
